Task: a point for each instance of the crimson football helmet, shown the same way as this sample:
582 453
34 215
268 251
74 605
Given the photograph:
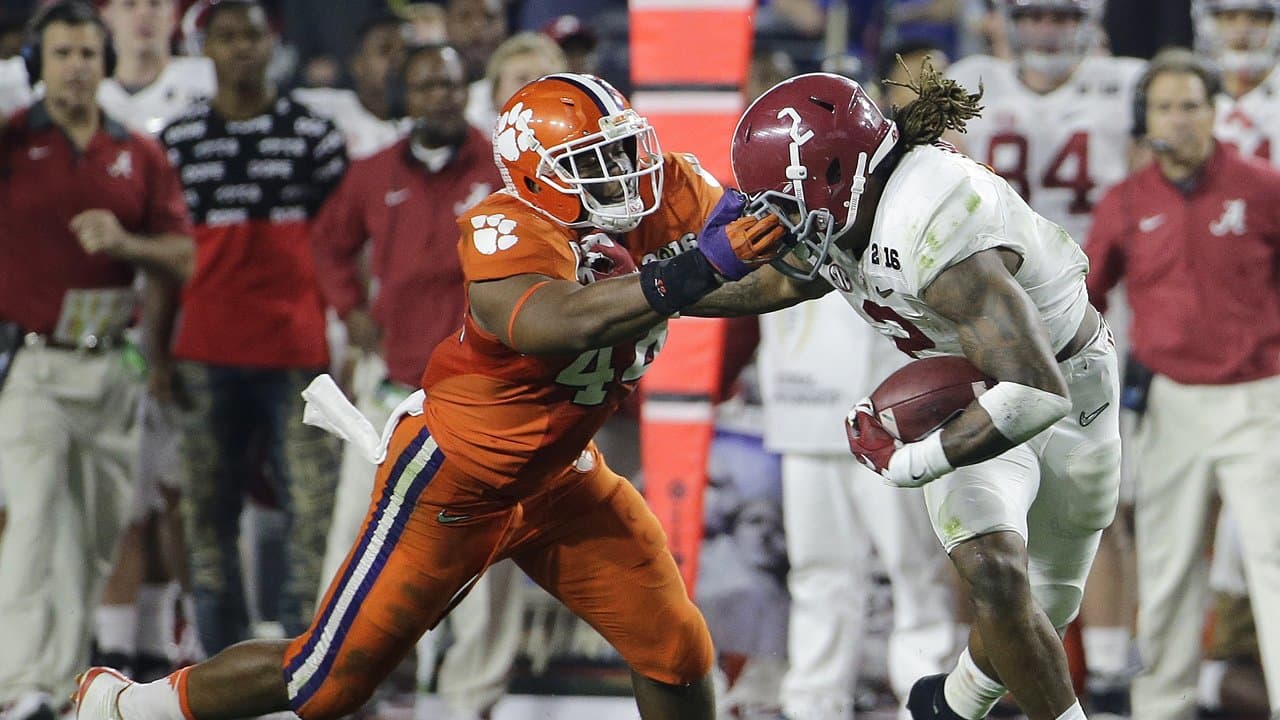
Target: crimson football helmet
571 146
803 151
1043 46
1239 48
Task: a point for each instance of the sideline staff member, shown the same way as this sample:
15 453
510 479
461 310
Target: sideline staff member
85 204
1196 238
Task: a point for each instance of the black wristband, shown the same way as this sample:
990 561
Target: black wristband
673 284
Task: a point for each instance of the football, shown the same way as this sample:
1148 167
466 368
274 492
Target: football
924 395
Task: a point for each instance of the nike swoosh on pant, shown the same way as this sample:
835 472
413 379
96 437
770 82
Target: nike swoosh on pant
1086 419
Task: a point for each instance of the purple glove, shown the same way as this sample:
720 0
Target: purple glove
736 245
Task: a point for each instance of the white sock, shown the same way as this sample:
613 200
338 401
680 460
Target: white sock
116 627
155 619
1075 712
969 691
1106 649
186 647
1209 686
159 700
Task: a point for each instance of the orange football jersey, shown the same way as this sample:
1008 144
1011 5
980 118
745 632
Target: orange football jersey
503 416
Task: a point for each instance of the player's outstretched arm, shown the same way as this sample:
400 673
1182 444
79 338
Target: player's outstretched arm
1002 334
538 315
763 291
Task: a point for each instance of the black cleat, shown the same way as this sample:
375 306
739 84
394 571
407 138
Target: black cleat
927 702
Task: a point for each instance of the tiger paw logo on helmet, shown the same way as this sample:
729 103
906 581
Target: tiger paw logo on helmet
493 233
514 137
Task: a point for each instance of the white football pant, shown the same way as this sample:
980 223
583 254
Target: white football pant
1058 490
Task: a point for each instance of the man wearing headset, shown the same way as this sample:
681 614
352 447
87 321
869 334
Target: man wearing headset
85 204
1195 236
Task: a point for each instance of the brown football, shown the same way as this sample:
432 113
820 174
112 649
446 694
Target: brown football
924 395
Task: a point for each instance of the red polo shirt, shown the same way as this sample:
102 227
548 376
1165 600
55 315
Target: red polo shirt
45 181
253 187
1200 268
407 212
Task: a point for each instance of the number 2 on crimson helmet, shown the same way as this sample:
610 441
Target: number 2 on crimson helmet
803 151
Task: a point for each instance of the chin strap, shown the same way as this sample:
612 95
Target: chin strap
855 192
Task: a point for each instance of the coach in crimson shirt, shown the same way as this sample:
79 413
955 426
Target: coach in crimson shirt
1195 236
84 204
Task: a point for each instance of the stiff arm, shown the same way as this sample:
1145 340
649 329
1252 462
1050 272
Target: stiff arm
540 315
536 314
763 291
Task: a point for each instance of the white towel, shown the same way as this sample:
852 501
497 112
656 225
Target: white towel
328 409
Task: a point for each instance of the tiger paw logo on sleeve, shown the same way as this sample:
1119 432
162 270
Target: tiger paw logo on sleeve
493 233
514 137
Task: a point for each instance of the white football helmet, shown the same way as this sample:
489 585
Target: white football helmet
1239 48
1045 48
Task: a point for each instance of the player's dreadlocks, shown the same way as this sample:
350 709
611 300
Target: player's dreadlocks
941 104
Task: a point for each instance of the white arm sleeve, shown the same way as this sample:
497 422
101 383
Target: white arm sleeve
1020 412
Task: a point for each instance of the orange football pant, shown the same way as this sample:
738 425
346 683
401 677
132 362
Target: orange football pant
587 537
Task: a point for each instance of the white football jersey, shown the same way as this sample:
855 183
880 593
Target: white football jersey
1061 151
1251 123
182 82
938 209
15 92
364 132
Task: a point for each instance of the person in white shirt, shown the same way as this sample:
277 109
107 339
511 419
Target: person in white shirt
1242 38
150 85
1053 120
519 60
368 116
814 365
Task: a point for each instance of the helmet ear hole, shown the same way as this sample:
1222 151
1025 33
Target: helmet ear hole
833 172
532 186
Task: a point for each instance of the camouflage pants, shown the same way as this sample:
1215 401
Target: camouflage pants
243 432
